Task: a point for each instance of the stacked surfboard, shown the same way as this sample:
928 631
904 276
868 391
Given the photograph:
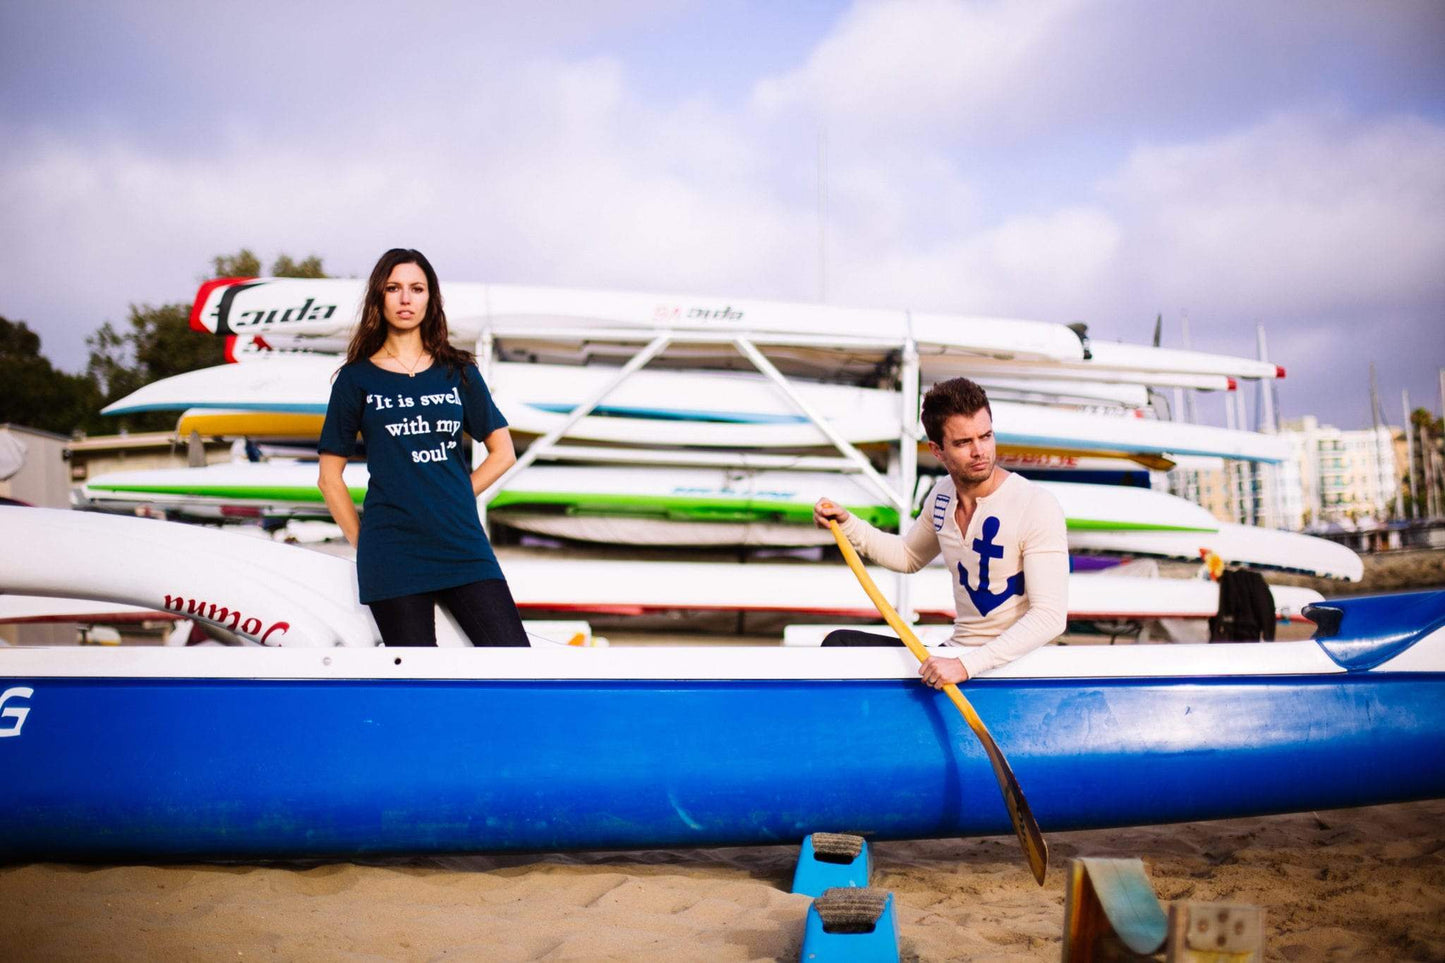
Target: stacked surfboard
690 451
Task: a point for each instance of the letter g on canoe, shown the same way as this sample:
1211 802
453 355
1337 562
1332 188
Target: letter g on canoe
17 713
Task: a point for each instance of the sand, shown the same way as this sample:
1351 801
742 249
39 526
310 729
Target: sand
1363 884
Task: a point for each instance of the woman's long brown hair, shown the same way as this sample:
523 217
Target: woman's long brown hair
371 331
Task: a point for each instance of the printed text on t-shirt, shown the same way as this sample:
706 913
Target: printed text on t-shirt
418 424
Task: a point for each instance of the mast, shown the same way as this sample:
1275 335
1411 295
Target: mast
1271 511
1377 418
822 216
1410 456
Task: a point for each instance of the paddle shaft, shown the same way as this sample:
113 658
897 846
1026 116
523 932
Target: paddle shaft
1031 838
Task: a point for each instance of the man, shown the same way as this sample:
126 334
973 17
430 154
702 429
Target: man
1002 536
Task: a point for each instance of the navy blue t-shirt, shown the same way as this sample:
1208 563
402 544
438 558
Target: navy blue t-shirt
419 526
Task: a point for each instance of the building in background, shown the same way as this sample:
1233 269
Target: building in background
1346 478
33 466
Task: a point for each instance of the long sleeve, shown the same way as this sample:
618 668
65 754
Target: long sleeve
901 553
1044 558
1046 575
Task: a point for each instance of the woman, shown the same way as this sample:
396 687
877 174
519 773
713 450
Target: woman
410 395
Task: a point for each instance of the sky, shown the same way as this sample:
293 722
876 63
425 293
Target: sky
1226 165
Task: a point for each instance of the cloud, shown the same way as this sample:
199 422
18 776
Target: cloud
1059 160
567 180
1047 267
921 65
1001 76
1302 215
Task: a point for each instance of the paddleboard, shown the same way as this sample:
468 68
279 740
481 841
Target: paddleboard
1093 372
226 423
1237 544
713 409
652 407
664 493
680 506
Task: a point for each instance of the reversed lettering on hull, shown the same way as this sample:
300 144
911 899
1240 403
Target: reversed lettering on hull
220 614
12 716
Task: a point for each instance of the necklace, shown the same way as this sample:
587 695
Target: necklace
411 371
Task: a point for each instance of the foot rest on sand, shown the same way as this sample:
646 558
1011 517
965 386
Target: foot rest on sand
851 924
1111 913
832 859
1209 932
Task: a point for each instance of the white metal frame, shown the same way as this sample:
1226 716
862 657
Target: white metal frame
850 460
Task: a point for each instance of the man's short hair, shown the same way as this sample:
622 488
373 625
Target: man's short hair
956 396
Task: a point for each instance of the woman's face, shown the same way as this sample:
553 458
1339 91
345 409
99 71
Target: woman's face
404 297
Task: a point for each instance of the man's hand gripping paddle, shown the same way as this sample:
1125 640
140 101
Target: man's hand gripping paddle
1030 837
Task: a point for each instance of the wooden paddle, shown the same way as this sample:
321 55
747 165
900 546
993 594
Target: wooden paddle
1027 828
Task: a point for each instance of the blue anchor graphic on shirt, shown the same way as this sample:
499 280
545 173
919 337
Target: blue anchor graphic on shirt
987 549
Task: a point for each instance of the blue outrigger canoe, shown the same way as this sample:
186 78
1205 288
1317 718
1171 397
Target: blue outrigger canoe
166 753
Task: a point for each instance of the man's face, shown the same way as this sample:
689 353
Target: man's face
968 451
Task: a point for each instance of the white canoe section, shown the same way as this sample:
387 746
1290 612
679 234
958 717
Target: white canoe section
285 595
621 586
329 307
263 591
39 608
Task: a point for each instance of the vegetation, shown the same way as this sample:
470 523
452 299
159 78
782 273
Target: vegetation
155 342
1417 478
35 394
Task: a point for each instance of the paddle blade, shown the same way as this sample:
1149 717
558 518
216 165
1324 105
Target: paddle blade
1031 838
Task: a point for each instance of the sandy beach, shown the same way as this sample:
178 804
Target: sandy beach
1363 884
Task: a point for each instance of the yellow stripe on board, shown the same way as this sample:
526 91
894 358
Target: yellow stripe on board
260 424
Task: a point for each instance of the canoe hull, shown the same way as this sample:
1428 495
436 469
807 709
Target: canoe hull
111 768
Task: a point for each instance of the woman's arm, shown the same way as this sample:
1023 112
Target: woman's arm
500 456
338 496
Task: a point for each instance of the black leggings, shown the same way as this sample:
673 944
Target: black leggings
484 610
855 637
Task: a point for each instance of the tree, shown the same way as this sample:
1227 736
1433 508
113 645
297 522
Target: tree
159 342
284 267
1425 434
242 264
245 264
35 394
